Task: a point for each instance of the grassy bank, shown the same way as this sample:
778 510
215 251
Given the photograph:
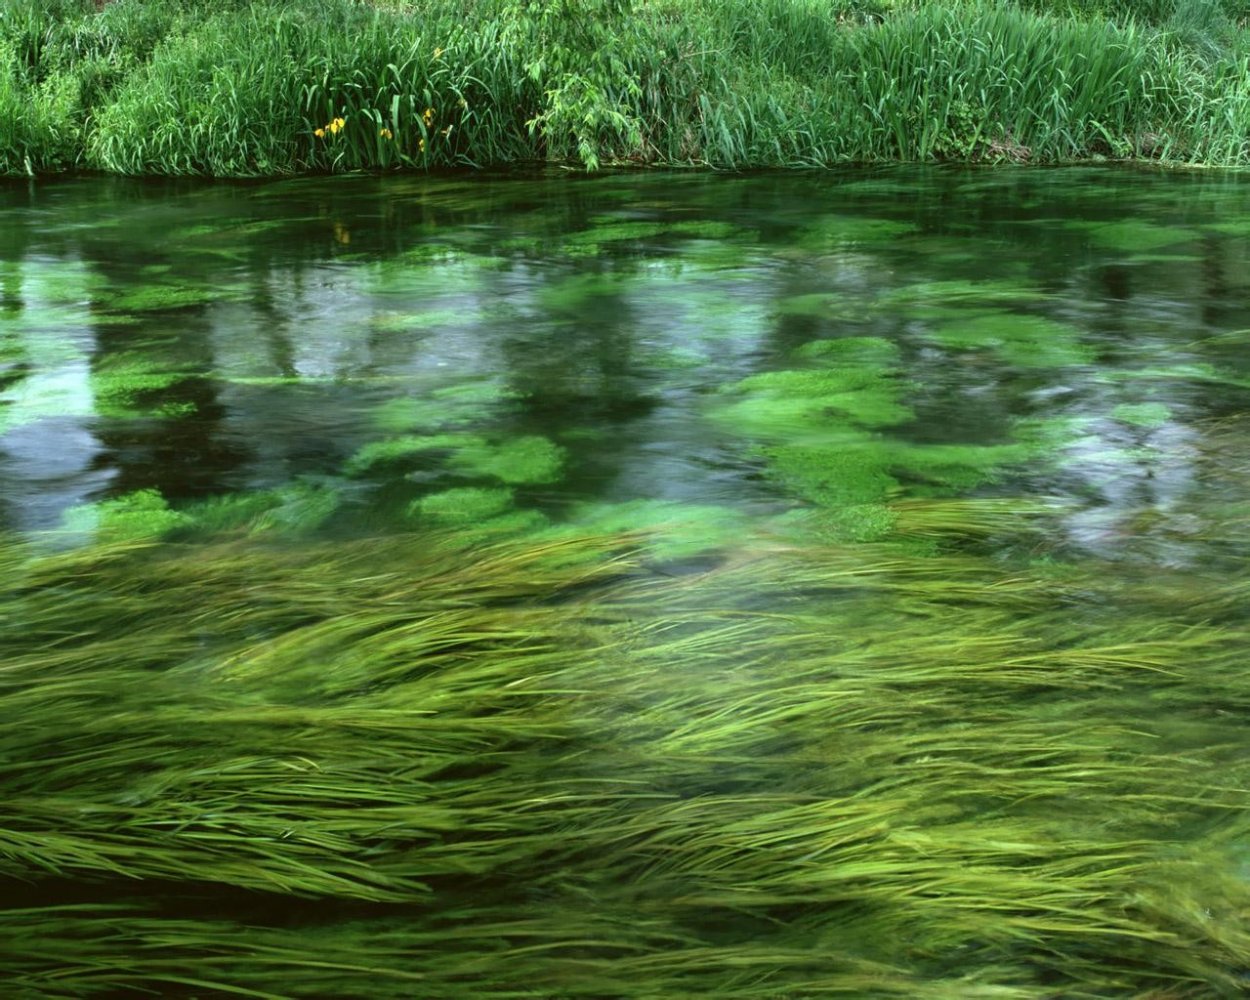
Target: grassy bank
233 88
393 768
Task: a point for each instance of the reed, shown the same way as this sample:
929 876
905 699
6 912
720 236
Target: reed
275 88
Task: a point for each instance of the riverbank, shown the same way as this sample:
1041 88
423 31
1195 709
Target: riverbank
271 88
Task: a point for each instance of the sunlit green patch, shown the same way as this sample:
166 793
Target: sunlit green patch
140 515
389 321
959 292
231 512
295 509
838 231
162 297
942 469
529 459
506 525
613 232
873 353
121 381
1020 340
866 522
531 245
799 401
1231 227
664 529
284 380
466 505
174 409
449 406
852 473
1149 415
818 304
1132 234
380 454
964 518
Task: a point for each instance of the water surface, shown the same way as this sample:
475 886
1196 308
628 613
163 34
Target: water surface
912 620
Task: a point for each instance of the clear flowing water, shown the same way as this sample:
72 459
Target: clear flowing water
588 344
928 639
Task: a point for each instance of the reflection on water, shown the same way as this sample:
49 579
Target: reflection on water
202 339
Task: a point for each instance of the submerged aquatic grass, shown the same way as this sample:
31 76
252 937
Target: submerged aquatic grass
552 768
831 619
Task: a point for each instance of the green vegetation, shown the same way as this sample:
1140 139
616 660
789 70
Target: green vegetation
280 86
646 587
384 766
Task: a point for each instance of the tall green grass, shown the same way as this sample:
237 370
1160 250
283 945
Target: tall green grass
260 88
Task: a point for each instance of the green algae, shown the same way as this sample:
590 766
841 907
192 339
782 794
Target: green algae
612 231
851 522
393 450
664 530
778 402
450 406
918 297
1148 415
862 471
863 352
528 459
839 231
465 505
1021 340
124 383
823 433
390 321
143 514
1133 234
852 473
162 298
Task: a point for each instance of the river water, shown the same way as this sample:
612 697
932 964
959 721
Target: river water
1034 377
